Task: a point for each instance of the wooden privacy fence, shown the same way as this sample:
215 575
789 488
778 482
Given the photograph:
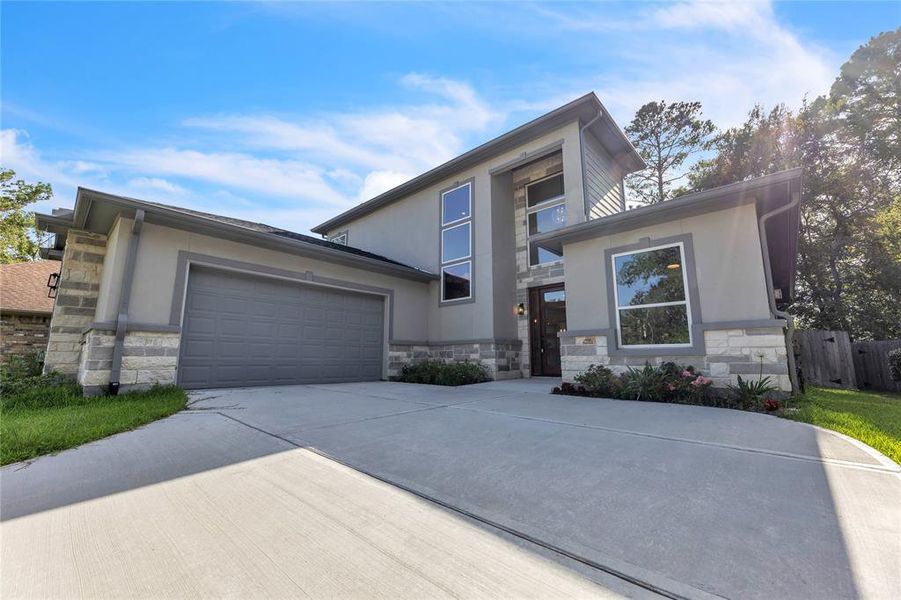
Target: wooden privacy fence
825 358
871 365
829 359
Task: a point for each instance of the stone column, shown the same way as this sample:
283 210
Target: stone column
526 276
76 300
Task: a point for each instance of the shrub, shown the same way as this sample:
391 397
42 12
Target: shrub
23 386
894 364
53 389
684 385
771 405
646 383
751 394
600 381
435 372
19 366
670 382
568 389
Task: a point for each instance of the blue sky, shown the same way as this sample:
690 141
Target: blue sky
289 113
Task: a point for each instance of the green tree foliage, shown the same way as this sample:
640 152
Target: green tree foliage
17 242
867 100
665 135
849 272
765 143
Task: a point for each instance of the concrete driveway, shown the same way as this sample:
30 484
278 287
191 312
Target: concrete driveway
386 489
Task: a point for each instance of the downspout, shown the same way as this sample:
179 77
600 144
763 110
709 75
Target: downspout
582 161
771 296
124 297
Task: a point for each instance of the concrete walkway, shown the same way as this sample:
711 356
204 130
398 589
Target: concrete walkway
495 490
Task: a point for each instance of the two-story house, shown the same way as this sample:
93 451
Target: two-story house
519 254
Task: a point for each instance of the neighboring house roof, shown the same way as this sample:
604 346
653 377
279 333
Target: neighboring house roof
96 211
585 109
24 286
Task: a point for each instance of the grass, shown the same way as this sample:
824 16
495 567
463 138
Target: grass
43 419
874 418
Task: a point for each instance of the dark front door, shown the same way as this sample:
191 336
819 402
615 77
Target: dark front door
547 316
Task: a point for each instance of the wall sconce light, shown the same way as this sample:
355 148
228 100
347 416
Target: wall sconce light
53 284
520 309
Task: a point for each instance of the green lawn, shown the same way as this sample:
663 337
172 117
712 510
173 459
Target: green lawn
874 418
48 419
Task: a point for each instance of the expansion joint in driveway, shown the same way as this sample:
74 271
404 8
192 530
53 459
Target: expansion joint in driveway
657 589
890 468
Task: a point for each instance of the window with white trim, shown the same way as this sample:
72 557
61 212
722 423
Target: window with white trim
341 238
456 243
651 295
545 211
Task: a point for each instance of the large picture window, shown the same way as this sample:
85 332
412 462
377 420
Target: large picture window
456 243
651 293
545 211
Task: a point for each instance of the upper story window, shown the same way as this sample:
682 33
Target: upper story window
456 204
340 238
456 243
652 307
545 211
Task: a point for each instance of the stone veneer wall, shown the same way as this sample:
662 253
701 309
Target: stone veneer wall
22 333
148 358
527 277
501 358
729 353
76 300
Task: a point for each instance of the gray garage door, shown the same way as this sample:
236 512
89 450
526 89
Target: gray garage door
242 330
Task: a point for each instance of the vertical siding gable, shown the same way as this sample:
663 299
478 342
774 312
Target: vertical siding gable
603 193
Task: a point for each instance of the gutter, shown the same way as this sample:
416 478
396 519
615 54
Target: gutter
692 204
172 217
582 158
508 141
124 298
768 271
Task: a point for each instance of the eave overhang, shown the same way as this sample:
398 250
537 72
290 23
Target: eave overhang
767 193
97 211
583 110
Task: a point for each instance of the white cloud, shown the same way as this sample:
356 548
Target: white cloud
728 55
410 138
377 182
721 15
156 184
344 175
82 166
285 178
299 171
18 153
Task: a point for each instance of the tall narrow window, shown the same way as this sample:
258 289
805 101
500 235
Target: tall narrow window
546 211
456 243
652 306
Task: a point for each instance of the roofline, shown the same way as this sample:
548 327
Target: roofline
504 142
53 221
693 204
85 197
6 310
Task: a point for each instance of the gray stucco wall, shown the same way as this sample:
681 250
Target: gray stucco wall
503 264
113 267
728 265
408 231
157 265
